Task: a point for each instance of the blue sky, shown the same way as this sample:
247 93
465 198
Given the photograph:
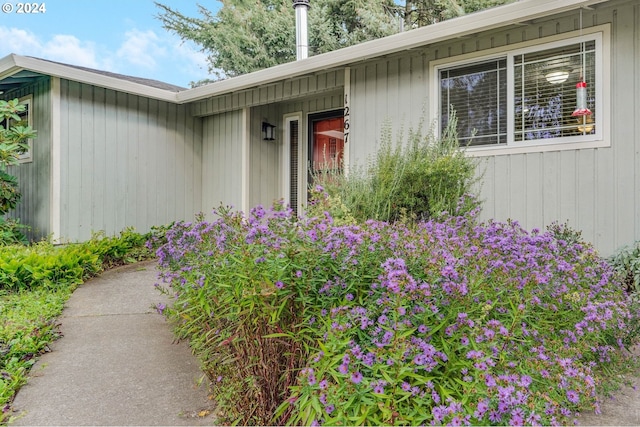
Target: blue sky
122 36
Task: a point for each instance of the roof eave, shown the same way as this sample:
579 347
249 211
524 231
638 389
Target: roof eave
13 63
510 14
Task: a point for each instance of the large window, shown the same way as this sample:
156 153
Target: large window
526 96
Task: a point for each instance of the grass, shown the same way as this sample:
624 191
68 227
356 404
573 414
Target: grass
28 327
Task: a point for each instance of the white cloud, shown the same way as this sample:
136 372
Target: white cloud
141 53
63 48
18 41
141 48
70 50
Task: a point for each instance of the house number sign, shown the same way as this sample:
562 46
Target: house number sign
346 118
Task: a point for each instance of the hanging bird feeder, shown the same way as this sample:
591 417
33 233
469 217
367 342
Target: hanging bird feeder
581 101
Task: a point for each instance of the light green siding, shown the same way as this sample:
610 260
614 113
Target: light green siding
126 161
222 161
595 190
33 177
286 90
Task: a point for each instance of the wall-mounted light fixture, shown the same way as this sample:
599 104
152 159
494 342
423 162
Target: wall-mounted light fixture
268 131
557 76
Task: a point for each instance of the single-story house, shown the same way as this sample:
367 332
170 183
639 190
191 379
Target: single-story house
549 89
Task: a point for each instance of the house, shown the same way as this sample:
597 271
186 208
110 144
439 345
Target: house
115 151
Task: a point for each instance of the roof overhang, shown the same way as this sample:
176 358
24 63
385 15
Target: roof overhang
498 17
15 67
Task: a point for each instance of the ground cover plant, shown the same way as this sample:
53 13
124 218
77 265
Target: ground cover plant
449 321
35 282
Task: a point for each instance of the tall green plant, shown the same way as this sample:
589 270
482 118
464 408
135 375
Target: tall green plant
14 136
626 262
418 178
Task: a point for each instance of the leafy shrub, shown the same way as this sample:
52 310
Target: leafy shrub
45 264
11 232
419 178
9 192
446 322
627 263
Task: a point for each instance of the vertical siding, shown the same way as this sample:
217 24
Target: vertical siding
278 92
34 177
126 161
222 161
391 92
265 160
596 191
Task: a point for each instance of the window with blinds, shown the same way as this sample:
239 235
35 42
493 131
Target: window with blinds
527 96
478 94
545 92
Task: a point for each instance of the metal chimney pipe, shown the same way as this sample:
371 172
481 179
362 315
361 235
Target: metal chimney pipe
302 44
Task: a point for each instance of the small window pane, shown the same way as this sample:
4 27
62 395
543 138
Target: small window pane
478 94
545 91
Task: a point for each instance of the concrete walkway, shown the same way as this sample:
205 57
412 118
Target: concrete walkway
117 363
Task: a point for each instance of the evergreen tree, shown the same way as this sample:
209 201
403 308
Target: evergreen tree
249 35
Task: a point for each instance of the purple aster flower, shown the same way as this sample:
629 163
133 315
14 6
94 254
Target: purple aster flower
573 396
279 285
160 307
356 377
329 409
406 386
322 384
343 369
517 417
379 389
494 416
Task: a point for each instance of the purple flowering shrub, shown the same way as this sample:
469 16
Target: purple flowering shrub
445 322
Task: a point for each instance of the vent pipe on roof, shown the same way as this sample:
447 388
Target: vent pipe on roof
302 45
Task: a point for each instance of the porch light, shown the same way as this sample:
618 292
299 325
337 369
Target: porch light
557 76
268 131
581 101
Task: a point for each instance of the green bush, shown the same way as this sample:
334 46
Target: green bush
416 179
9 192
626 262
445 322
12 232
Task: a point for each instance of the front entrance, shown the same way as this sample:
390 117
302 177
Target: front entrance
326 143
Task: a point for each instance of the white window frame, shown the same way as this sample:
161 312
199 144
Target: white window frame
286 158
601 136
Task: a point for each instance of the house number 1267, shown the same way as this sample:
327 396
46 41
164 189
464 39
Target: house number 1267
346 118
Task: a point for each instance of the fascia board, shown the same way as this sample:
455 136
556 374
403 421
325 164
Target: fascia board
510 14
8 66
74 74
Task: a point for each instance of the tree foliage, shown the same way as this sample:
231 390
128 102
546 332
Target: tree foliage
245 36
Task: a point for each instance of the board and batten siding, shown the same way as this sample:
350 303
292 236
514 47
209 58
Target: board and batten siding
222 159
596 190
34 176
273 93
126 161
266 156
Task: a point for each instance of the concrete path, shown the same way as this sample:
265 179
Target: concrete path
117 363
